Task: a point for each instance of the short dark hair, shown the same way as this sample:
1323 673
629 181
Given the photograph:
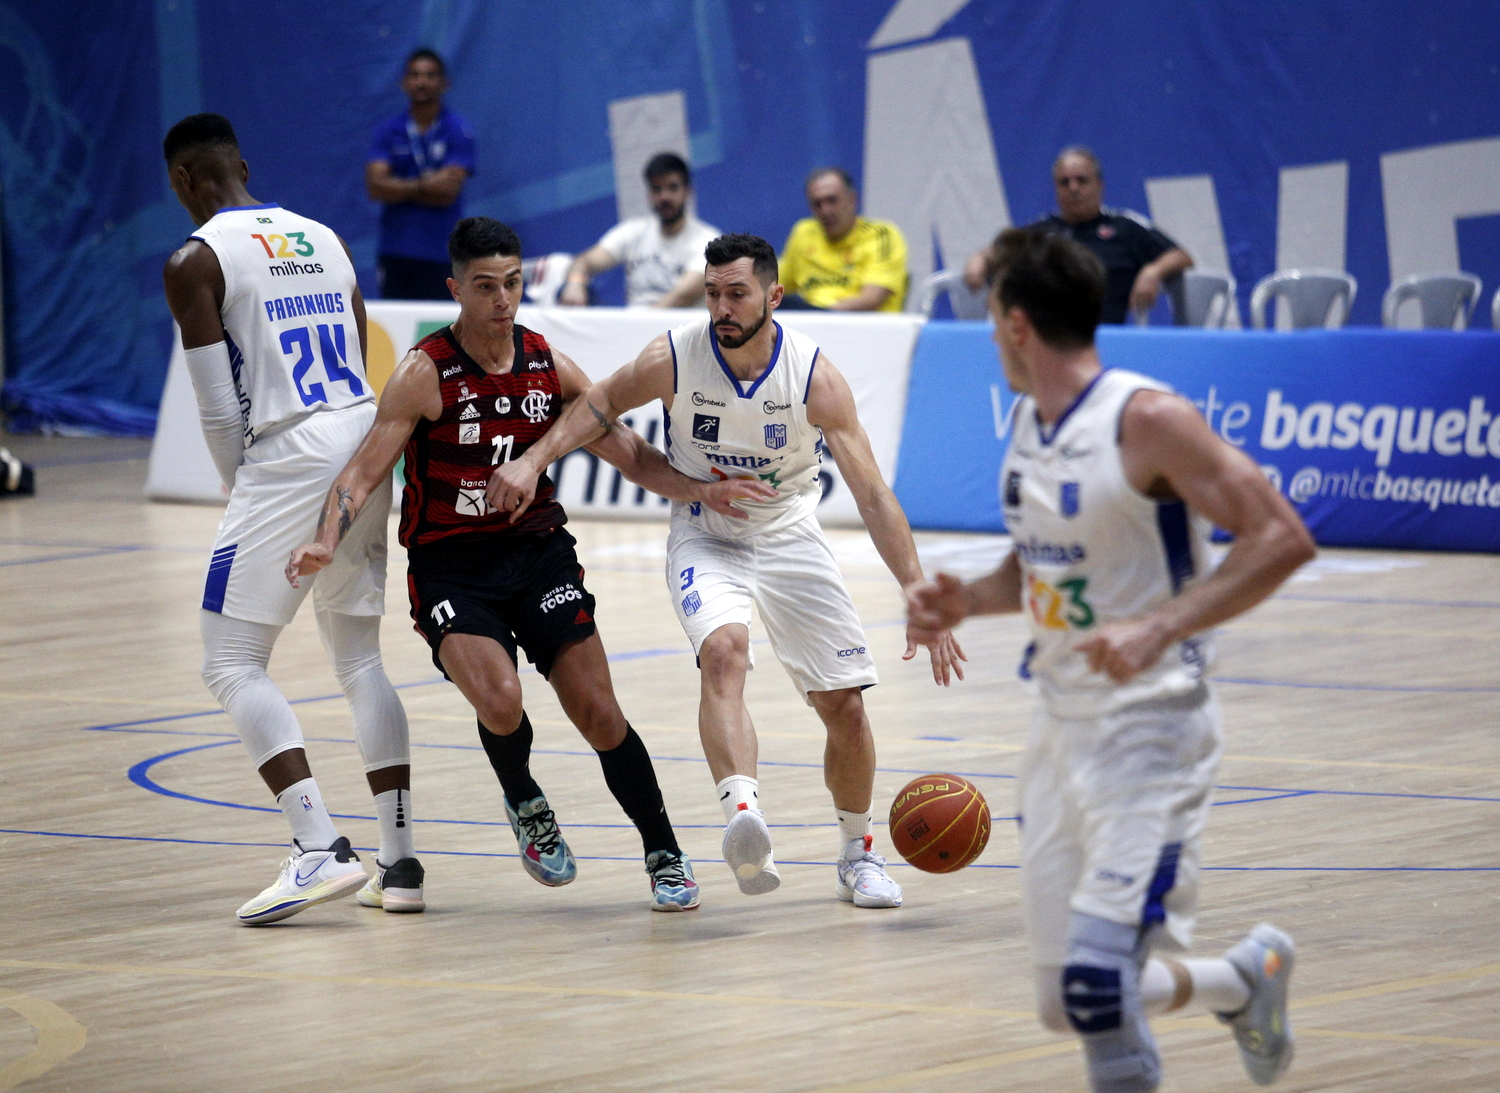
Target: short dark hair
819 172
481 237
1082 151
666 163
730 248
426 54
1058 282
200 131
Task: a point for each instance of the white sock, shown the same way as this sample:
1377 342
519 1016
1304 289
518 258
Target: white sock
393 810
852 825
736 790
302 805
1214 984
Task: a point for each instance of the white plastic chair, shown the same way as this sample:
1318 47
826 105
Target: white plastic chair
1314 297
1198 297
1447 299
544 277
966 303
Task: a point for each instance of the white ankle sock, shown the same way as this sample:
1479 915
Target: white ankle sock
302 805
736 790
1213 984
393 810
852 825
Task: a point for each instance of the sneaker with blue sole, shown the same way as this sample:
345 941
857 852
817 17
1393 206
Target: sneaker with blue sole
308 878
1264 959
544 853
672 885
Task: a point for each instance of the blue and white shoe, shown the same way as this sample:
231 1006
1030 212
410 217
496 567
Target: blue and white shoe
308 877
747 851
543 852
672 885
862 879
1265 960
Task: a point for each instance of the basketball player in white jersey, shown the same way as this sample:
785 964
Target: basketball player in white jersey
746 398
273 327
1110 485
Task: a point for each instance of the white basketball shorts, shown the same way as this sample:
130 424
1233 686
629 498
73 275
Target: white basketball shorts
1112 810
278 493
791 577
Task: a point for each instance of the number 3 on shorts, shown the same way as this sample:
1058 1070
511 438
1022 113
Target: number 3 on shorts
687 578
443 614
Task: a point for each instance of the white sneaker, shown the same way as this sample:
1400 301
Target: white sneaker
396 888
747 850
1265 961
308 877
862 877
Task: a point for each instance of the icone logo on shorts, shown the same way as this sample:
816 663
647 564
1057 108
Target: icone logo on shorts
844 653
559 596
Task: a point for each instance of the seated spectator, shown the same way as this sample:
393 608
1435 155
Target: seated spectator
1137 258
662 252
419 162
837 260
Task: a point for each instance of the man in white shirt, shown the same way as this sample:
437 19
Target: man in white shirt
662 253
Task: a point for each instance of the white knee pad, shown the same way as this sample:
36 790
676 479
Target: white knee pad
353 646
235 655
1101 996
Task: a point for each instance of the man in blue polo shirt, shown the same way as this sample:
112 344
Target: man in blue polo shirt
419 162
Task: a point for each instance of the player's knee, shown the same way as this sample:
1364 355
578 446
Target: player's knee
726 649
1099 991
842 711
499 707
223 675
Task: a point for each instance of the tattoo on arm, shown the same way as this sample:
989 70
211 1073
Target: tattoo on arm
604 422
346 516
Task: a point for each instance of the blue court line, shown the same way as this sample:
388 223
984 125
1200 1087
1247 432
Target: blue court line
1357 686
105 552
894 864
1395 602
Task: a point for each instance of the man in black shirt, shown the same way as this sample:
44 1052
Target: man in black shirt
1137 258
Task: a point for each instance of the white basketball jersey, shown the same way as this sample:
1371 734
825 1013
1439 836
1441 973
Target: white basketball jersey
1093 550
723 427
288 310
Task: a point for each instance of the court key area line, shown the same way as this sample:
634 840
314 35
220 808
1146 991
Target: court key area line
58 1036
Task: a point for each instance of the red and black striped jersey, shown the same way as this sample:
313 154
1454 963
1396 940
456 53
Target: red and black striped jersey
487 419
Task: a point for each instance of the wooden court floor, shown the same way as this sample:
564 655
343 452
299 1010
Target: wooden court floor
1359 809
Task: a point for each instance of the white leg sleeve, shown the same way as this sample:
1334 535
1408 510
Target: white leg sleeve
235 655
353 646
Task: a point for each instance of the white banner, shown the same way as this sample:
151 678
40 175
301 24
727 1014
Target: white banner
872 351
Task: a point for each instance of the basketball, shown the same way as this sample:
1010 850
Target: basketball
940 822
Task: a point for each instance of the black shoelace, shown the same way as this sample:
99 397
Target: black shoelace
668 870
542 828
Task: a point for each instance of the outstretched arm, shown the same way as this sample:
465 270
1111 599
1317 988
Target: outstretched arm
830 406
1168 452
411 395
590 413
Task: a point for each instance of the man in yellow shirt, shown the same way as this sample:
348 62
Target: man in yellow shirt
837 260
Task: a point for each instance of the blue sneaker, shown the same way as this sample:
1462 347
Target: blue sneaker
672 885
543 852
1265 961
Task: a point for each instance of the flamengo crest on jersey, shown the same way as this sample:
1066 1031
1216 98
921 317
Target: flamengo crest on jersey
1093 550
723 427
289 315
487 419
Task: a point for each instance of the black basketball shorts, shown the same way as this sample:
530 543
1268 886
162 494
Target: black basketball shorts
524 591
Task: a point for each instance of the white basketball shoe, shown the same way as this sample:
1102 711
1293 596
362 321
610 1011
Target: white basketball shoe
396 888
1265 961
307 878
862 879
747 851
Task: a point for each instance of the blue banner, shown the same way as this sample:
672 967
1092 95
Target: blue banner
1245 130
1378 438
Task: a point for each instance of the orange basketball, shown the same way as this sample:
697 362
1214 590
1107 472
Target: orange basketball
940 822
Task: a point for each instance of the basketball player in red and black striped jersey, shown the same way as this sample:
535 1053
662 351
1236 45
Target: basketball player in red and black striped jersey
465 400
